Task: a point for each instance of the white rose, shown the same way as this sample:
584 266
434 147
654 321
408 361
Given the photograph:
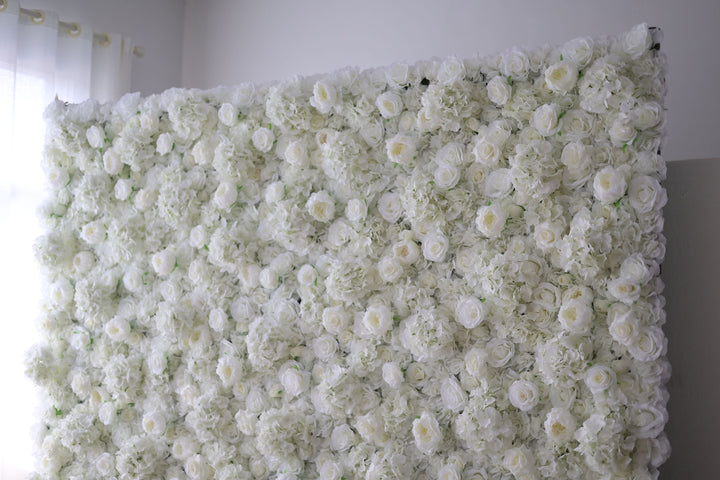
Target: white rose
624 290
163 262
451 70
547 235
105 464
263 139
83 261
292 380
62 292
475 361
599 378
145 198
227 114
621 131
118 329
389 269
646 194
335 319
406 251
197 468
321 206
499 90
371 428
342 438
58 177
226 195
274 192
93 232
446 176
133 279
491 220
561 77
373 133
296 152
307 276
397 74
198 237
356 210
107 413
269 279
95 136
451 154
202 152
427 434
112 162
123 189
452 394
647 115
648 345
450 472
576 158
545 120
499 352
154 423
648 420
435 247
637 41
165 143
624 328
392 375
518 460
498 183
330 471
486 152
407 122
579 51
249 275
217 319
401 149
324 96
377 320
609 185
515 64
470 312
389 104
184 447
325 347
635 269
246 422
575 316
577 125
560 425
523 395
390 207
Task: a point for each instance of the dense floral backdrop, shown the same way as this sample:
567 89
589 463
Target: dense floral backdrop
440 270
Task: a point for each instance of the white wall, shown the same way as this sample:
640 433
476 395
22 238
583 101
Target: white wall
156 25
233 41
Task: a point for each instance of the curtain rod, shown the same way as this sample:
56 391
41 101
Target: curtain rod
73 29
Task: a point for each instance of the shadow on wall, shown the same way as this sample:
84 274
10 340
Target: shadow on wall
691 273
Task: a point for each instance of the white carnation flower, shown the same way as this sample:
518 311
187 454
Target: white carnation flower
389 104
523 395
321 206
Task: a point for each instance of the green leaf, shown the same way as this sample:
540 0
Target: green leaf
483 300
396 165
561 115
58 412
561 57
509 80
206 248
617 203
432 182
489 203
624 148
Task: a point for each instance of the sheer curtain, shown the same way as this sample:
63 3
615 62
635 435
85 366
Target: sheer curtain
41 57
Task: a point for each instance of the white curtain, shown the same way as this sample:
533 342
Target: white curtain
41 56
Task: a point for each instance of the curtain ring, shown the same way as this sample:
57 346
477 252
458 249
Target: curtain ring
3 5
74 30
104 40
38 17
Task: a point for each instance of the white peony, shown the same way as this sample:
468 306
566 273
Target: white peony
560 425
523 395
427 434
